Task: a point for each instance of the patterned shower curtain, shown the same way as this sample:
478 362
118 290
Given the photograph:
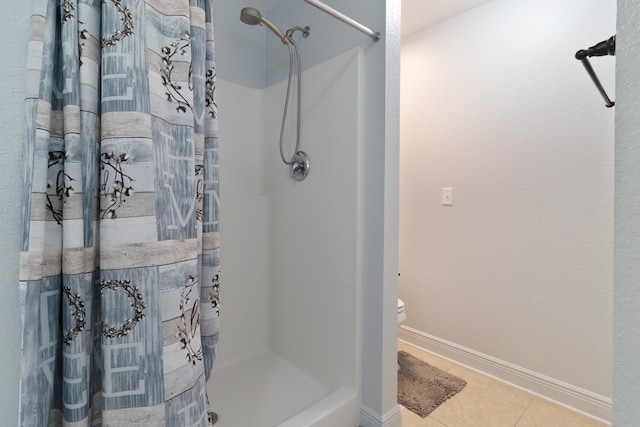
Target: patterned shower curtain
119 265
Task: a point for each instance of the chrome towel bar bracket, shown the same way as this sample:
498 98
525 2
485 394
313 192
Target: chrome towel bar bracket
606 47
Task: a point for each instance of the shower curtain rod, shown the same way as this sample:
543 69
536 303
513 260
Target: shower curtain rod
375 35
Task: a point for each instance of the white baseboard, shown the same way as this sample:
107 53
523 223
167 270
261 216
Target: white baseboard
578 399
370 418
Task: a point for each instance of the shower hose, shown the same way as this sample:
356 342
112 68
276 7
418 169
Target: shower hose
293 49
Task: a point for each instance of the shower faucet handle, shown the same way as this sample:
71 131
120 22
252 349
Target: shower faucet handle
300 166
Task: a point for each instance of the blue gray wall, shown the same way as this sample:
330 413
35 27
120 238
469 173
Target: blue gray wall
626 318
13 44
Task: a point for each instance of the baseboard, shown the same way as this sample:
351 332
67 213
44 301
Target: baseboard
370 418
578 399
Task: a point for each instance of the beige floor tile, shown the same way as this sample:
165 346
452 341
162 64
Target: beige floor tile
431 359
486 402
541 410
473 406
409 419
492 386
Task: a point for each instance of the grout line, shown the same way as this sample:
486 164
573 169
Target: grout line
520 417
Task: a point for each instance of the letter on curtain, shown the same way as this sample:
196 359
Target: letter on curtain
119 264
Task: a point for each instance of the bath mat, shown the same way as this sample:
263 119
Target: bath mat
422 387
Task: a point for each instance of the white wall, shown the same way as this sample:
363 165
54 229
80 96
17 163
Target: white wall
494 104
626 377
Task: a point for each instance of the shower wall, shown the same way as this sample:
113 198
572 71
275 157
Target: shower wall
314 242
291 248
246 312
519 269
316 287
245 206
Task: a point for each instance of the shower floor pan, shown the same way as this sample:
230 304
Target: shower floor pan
267 391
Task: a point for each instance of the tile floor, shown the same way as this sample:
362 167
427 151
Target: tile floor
485 402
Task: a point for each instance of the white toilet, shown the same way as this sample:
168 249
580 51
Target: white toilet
402 316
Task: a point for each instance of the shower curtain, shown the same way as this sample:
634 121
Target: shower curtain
119 265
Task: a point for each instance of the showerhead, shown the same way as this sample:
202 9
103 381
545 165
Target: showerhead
251 16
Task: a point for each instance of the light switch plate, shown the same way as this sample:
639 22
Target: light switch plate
447 197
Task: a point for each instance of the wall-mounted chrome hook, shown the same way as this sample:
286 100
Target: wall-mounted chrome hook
606 47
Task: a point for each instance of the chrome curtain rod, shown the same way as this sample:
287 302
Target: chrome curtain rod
375 35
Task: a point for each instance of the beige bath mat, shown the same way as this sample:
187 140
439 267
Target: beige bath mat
422 387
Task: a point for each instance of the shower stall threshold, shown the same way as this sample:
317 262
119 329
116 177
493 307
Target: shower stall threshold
265 391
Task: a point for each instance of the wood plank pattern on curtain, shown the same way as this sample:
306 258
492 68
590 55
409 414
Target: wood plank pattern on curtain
119 264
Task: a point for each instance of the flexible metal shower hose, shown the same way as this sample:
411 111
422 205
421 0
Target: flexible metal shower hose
292 47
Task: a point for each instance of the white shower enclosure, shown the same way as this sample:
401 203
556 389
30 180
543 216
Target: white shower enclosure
289 352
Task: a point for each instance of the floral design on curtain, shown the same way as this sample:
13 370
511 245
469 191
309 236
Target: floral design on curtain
119 263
